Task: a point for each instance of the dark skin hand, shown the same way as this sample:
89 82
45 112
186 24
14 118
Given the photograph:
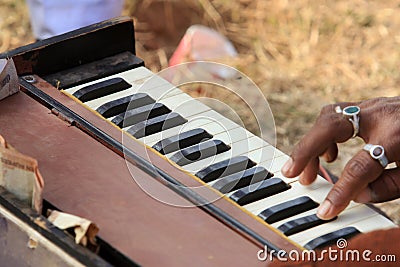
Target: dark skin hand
363 178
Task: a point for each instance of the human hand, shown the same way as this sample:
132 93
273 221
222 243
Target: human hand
363 178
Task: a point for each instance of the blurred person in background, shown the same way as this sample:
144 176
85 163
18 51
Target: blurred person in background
54 17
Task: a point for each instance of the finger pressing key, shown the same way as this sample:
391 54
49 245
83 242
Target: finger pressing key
331 153
310 172
357 174
329 129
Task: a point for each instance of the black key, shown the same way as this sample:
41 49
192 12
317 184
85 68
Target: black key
331 238
198 152
139 114
101 89
181 141
157 124
241 179
224 168
288 209
123 104
259 191
300 224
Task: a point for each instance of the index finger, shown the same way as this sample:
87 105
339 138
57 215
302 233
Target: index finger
357 174
329 128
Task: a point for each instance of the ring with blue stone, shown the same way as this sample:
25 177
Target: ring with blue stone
352 114
377 152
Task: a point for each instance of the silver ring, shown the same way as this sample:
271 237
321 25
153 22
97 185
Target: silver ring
378 153
352 114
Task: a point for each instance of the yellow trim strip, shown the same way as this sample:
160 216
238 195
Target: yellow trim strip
184 171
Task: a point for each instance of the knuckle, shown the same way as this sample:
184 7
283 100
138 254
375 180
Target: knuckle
335 121
356 168
327 109
335 127
373 102
382 109
330 120
297 152
337 196
391 146
391 109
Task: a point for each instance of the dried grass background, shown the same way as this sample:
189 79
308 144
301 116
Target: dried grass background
302 54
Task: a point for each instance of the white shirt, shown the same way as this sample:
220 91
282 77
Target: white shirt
53 17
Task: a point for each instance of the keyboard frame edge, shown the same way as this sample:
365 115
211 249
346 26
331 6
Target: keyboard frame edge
54 55
188 180
75 48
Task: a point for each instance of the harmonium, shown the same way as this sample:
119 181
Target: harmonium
126 149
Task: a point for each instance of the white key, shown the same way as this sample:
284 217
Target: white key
210 121
153 93
275 164
357 216
175 99
184 105
238 148
247 147
95 103
317 191
180 103
137 77
309 212
303 214
268 153
161 92
227 136
183 109
376 222
155 87
231 136
348 217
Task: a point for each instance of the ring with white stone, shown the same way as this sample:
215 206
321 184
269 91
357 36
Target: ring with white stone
377 152
352 114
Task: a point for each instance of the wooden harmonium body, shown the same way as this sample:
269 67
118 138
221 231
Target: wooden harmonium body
133 157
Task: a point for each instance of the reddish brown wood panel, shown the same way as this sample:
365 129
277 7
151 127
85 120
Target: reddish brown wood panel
160 162
85 178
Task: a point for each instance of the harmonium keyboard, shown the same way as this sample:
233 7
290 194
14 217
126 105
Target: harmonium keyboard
135 160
